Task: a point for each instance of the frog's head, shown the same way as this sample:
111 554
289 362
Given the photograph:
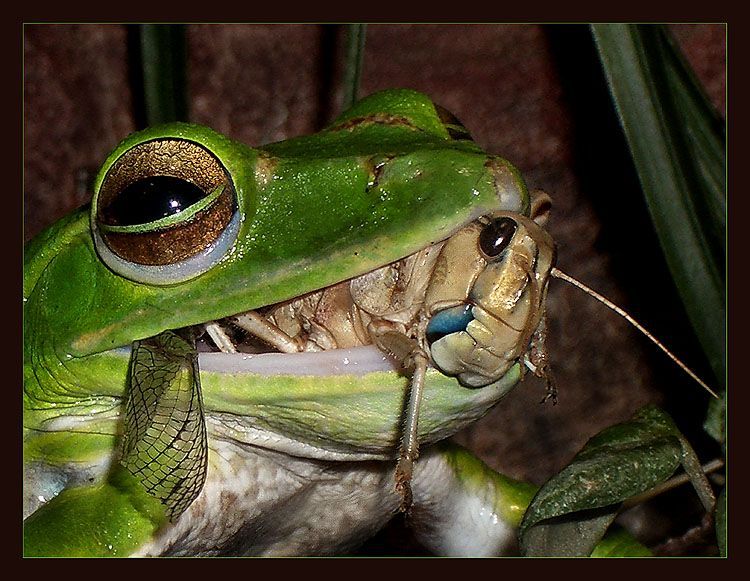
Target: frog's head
486 297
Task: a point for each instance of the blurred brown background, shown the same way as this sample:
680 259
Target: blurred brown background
534 94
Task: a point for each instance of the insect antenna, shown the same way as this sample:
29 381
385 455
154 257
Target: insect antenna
557 273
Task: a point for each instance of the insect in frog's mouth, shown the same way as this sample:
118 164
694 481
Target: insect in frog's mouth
224 347
248 354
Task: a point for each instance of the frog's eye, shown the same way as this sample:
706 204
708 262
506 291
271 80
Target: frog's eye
165 212
495 236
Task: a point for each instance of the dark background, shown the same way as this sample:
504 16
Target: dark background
533 94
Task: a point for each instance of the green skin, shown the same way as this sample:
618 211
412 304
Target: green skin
77 312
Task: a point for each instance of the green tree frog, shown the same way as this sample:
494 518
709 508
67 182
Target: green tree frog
372 289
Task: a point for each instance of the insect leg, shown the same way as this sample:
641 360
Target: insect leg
220 338
537 360
266 331
414 360
410 438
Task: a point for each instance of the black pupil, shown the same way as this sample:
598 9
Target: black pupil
150 199
496 236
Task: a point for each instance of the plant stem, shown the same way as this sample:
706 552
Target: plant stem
667 485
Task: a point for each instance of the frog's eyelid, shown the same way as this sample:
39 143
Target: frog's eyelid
168 274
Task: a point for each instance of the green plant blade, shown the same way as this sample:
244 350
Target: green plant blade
355 52
163 64
715 422
574 535
572 511
678 146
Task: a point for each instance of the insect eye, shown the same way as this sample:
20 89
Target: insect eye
495 236
165 212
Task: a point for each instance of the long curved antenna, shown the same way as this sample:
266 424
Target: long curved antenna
556 272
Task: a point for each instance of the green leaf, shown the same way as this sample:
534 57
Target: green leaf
620 543
692 466
721 522
568 536
714 424
678 145
620 462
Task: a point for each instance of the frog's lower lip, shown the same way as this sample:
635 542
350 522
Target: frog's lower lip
353 361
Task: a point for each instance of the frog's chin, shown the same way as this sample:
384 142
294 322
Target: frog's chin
353 361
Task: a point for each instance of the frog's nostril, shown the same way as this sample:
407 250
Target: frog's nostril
448 321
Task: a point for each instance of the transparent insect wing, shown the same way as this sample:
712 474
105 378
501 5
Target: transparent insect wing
165 444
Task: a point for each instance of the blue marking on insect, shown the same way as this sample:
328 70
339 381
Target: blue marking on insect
448 321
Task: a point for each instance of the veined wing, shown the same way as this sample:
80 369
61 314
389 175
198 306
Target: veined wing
165 444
